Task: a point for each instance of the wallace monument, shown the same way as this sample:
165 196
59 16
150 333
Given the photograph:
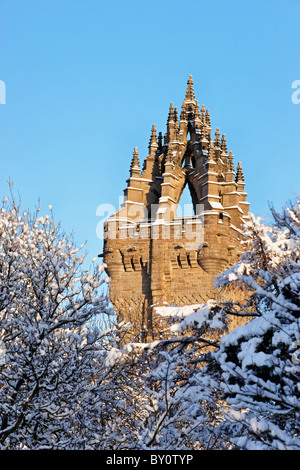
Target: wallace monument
155 253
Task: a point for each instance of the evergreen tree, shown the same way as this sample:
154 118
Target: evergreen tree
259 361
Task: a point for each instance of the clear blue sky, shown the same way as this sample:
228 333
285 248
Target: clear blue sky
86 79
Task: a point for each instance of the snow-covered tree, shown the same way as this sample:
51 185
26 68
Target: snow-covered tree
259 361
49 378
169 399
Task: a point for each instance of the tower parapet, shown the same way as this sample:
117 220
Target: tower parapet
154 252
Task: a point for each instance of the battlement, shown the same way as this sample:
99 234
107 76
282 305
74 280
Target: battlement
156 254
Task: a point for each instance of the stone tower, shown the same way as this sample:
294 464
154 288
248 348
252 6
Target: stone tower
154 252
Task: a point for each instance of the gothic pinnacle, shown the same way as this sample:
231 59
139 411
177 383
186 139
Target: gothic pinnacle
183 114
239 173
207 118
190 95
197 112
217 138
202 115
204 134
211 152
159 141
171 114
153 140
175 114
169 156
230 164
135 164
224 145
153 134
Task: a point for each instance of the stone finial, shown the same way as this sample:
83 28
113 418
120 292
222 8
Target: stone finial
175 114
169 156
211 152
153 139
239 173
171 117
183 114
202 114
190 95
172 124
135 163
204 134
153 145
207 118
224 145
230 164
217 138
160 141
197 112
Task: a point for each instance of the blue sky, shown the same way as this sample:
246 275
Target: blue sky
85 81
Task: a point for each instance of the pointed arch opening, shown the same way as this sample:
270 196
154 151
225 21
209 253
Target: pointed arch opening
187 201
185 206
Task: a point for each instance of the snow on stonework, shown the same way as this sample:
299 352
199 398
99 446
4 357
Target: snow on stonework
195 316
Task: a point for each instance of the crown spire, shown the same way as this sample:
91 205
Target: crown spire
190 95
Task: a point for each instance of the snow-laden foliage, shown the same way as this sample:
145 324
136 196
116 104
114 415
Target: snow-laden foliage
47 380
259 361
272 254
